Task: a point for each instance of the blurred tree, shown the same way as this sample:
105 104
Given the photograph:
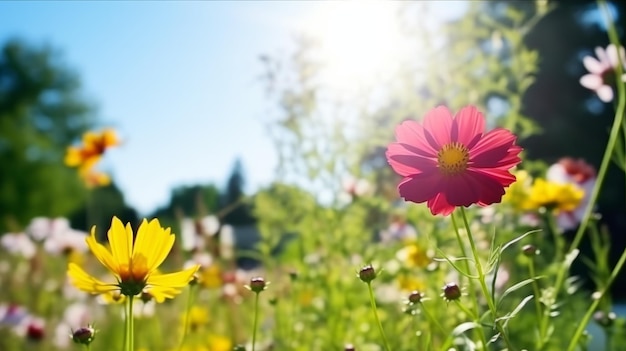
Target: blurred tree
41 113
236 210
188 201
102 204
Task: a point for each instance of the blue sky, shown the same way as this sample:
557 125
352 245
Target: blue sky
178 80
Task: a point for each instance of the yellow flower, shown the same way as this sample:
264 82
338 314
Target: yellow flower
414 256
220 343
517 193
94 145
407 282
562 197
133 263
198 317
210 277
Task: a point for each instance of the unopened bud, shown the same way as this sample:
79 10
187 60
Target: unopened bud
451 292
367 273
415 297
604 319
84 335
257 284
349 347
530 250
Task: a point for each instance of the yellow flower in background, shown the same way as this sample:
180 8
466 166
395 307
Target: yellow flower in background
562 197
414 255
220 343
210 277
407 282
517 193
198 317
133 262
94 146
88 155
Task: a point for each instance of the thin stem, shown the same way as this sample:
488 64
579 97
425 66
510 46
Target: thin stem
380 326
187 316
606 159
480 332
256 320
594 305
128 336
539 310
483 285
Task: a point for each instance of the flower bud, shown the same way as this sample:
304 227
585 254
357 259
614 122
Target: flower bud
257 284
415 297
451 292
367 273
349 347
530 250
84 335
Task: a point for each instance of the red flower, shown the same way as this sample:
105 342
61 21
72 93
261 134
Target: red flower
451 162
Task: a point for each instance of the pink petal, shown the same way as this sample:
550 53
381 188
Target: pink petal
439 205
437 126
421 187
412 133
592 65
611 53
502 176
591 81
602 57
468 125
406 163
605 93
489 189
491 148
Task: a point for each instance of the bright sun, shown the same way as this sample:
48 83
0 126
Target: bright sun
360 42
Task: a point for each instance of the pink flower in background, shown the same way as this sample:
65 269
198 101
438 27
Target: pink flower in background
579 173
602 71
449 162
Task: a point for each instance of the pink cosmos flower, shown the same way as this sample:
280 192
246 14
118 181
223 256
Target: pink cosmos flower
449 162
602 71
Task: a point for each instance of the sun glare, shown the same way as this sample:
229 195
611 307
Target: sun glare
359 42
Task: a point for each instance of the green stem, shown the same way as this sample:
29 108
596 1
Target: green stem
256 320
483 285
128 336
606 159
478 331
380 326
539 310
187 316
594 305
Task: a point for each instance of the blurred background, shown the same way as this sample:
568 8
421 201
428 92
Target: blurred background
216 101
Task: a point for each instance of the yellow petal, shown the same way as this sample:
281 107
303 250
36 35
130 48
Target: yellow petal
153 242
172 280
121 243
102 254
109 137
73 157
83 281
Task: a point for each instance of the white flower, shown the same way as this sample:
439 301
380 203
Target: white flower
602 70
70 240
18 244
210 225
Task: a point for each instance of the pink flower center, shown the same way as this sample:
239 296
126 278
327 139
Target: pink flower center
452 159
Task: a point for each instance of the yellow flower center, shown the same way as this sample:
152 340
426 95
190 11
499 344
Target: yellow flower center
452 159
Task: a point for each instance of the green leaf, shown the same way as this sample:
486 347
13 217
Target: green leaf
518 286
518 239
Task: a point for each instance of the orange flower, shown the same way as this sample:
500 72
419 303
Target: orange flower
94 146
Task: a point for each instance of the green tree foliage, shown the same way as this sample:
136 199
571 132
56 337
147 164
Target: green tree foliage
188 201
101 205
41 113
236 209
